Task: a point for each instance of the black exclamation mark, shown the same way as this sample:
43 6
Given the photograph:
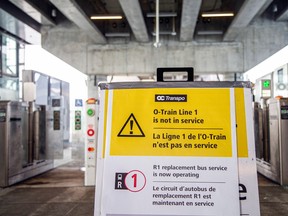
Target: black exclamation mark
131 126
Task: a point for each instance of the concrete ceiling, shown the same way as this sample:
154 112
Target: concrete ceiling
179 19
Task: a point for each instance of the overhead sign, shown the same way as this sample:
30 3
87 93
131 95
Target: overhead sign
172 150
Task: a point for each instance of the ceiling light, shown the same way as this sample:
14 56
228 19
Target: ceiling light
215 32
217 14
106 17
173 33
117 34
162 14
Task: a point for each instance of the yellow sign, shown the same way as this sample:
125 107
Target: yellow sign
171 122
184 134
242 142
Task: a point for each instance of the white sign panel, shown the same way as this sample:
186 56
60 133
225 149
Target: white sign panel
168 152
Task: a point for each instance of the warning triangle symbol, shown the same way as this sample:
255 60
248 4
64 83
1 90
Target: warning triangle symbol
131 128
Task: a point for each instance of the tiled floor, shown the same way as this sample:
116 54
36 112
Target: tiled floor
60 192
273 198
56 193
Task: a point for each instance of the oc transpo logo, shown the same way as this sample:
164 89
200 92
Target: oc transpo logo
170 98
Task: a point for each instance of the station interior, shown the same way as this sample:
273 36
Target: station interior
55 53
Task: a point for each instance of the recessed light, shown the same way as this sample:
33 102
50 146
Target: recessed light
106 17
217 14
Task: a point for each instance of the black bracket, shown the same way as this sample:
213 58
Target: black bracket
189 70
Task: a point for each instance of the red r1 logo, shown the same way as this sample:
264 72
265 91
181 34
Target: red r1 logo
135 181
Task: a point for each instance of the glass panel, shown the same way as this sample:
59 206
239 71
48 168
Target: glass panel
10 53
41 89
21 54
66 115
21 67
9 56
9 83
1 69
9 88
55 87
280 82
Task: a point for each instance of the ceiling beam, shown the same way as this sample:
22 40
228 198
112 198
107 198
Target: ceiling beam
283 16
19 15
190 11
34 12
75 14
248 11
133 14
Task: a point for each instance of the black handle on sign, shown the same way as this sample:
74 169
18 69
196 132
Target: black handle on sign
189 70
15 119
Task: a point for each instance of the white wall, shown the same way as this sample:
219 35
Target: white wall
42 61
280 58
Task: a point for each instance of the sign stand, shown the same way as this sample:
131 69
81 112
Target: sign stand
173 149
